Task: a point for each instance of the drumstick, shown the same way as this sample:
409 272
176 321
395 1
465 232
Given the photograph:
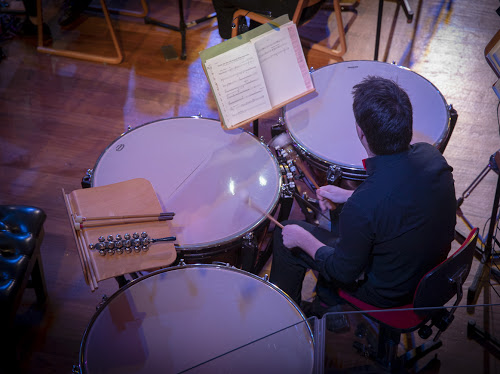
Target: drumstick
271 218
147 215
306 172
111 222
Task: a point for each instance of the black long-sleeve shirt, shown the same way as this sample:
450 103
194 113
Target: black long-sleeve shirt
397 225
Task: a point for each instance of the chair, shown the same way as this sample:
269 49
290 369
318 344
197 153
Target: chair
82 55
21 234
434 290
118 58
301 5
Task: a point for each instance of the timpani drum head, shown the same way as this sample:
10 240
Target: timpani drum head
200 172
198 319
322 123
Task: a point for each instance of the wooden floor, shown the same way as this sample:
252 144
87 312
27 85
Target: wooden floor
58 114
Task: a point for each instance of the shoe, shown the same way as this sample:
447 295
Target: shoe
313 309
29 29
72 9
337 322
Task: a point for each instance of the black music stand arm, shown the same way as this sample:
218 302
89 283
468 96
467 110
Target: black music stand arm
255 125
409 19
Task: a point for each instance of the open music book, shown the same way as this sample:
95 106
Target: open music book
257 72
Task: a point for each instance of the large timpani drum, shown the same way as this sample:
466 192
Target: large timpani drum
322 124
201 173
198 319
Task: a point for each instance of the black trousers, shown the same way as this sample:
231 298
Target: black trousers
30 6
289 266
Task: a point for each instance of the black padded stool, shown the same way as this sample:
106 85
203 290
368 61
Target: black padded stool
21 234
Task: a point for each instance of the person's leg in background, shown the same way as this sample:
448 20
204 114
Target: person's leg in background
29 26
71 11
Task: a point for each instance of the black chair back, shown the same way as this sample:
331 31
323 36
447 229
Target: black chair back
445 281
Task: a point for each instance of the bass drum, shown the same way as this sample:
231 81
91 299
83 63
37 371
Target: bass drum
322 125
198 319
203 174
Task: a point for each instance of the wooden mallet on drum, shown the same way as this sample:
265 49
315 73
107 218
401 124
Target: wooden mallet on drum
271 218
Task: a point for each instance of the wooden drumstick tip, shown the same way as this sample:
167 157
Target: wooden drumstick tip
270 217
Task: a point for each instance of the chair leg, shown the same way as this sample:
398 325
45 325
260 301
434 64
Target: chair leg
340 28
387 349
337 53
243 13
130 13
80 55
406 8
38 280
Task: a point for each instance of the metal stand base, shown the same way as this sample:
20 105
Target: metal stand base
485 339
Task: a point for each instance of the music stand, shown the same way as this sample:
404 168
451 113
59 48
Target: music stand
485 270
484 267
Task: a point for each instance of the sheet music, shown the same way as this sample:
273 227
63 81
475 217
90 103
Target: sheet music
238 84
278 50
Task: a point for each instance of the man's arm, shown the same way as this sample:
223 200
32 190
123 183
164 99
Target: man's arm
350 256
296 236
332 194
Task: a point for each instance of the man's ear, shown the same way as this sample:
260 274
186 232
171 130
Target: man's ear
360 132
362 139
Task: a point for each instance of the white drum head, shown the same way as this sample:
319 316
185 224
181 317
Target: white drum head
206 318
201 173
323 124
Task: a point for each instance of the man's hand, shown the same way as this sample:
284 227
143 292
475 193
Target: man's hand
332 194
296 236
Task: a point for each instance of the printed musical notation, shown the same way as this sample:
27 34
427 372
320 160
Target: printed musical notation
238 83
276 50
261 73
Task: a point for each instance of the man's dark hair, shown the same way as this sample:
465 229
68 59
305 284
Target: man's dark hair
383 111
